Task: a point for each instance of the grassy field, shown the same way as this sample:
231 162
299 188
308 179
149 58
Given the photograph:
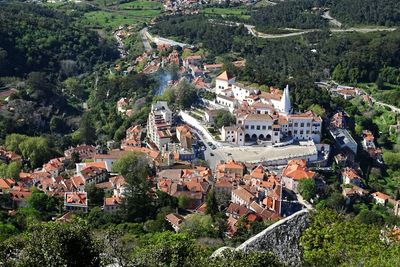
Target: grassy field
116 18
141 4
240 12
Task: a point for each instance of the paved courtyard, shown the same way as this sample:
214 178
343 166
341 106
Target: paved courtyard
257 154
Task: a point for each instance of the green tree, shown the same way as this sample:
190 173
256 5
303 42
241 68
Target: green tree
211 202
95 195
317 109
58 125
334 240
165 249
57 244
336 202
186 95
74 87
134 167
183 202
6 231
198 225
307 188
237 258
87 130
13 169
42 202
75 157
370 217
10 170
223 118
13 141
39 85
392 159
36 150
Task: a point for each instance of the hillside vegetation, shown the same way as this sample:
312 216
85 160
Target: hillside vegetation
36 38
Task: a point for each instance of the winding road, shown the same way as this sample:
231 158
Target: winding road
326 15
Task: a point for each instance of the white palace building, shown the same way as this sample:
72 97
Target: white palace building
262 116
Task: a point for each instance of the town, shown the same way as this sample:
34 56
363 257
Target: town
258 162
199 133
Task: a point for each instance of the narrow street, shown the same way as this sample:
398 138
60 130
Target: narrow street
145 41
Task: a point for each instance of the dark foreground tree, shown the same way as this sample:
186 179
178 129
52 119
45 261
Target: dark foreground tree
57 244
137 204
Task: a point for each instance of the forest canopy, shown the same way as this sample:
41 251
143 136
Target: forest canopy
36 38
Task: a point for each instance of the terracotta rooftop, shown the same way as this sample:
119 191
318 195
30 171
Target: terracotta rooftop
236 209
76 198
111 201
174 219
350 173
224 76
381 196
243 194
297 170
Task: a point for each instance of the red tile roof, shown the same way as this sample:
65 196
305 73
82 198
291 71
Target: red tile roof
224 76
381 195
297 170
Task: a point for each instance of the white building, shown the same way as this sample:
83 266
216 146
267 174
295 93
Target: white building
304 126
259 127
241 92
159 124
223 82
227 101
233 134
242 197
263 116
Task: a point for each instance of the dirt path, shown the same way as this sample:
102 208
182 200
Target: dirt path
332 20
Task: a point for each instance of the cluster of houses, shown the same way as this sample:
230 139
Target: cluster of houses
190 7
352 183
8 156
344 142
369 146
254 192
186 7
71 190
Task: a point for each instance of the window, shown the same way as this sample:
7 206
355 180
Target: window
258 127
302 124
252 127
296 124
308 132
246 127
264 127
269 127
241 135
295 131
308 124
276 134
290 125
258 112
301 131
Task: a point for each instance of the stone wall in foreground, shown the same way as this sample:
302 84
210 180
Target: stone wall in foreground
281 239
